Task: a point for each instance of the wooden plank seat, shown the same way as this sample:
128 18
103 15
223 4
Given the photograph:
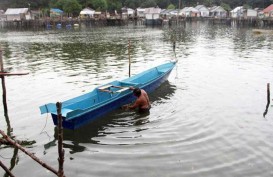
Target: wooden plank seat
106 88
123 89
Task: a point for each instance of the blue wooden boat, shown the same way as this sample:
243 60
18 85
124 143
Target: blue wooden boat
81 110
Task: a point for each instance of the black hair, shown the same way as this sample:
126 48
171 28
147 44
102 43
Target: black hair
137 92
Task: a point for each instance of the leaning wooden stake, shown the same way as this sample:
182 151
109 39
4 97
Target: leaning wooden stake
268 99
6 169
28 153
60 140
3 84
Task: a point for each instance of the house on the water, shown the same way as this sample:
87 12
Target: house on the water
17 14
127 13
237 12
250 14
204 11
140 12
152 16
54 12
189 12
2 16
87 13
217 12
268 12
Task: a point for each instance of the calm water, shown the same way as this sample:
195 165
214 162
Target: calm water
206 121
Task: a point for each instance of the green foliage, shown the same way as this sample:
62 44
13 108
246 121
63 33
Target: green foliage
208 3
149 3
247 6
171 6
163 3
99 4
72 7
226 6
114 5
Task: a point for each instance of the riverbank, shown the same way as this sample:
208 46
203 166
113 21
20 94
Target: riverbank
76 23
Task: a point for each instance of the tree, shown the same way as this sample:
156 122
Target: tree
114 5
72 7
99 4
171 6
163 3
132 4
208 3
149 3
226 6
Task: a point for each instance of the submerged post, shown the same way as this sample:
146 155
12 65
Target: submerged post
6 169
129 45
3 84
60 139
14 143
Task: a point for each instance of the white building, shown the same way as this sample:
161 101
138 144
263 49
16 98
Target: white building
17 14
204 11
87 13
251 13
189 12
152 16
127 12
140 12
217 11
237 12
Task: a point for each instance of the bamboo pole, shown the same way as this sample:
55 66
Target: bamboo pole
28 153
129 45
12 74
60 140
6 169
4 95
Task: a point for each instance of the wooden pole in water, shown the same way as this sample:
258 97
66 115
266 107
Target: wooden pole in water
3 84
6 169
129 45
60 139
28 153
268 99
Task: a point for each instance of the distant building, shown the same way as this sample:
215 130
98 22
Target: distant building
127 13
2 16
189 12
13 14
87 13
204 11
237 12
250 14
98 15
140 12
54 12
268 12
217 12
152 16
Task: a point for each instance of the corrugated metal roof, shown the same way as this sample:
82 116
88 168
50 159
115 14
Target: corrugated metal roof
15 11
268 9
217 9
152 10
56 10
198 7
87 11
239 8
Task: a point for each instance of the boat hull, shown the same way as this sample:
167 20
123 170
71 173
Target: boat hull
90 116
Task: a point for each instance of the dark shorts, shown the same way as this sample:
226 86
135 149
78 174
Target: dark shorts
144 110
